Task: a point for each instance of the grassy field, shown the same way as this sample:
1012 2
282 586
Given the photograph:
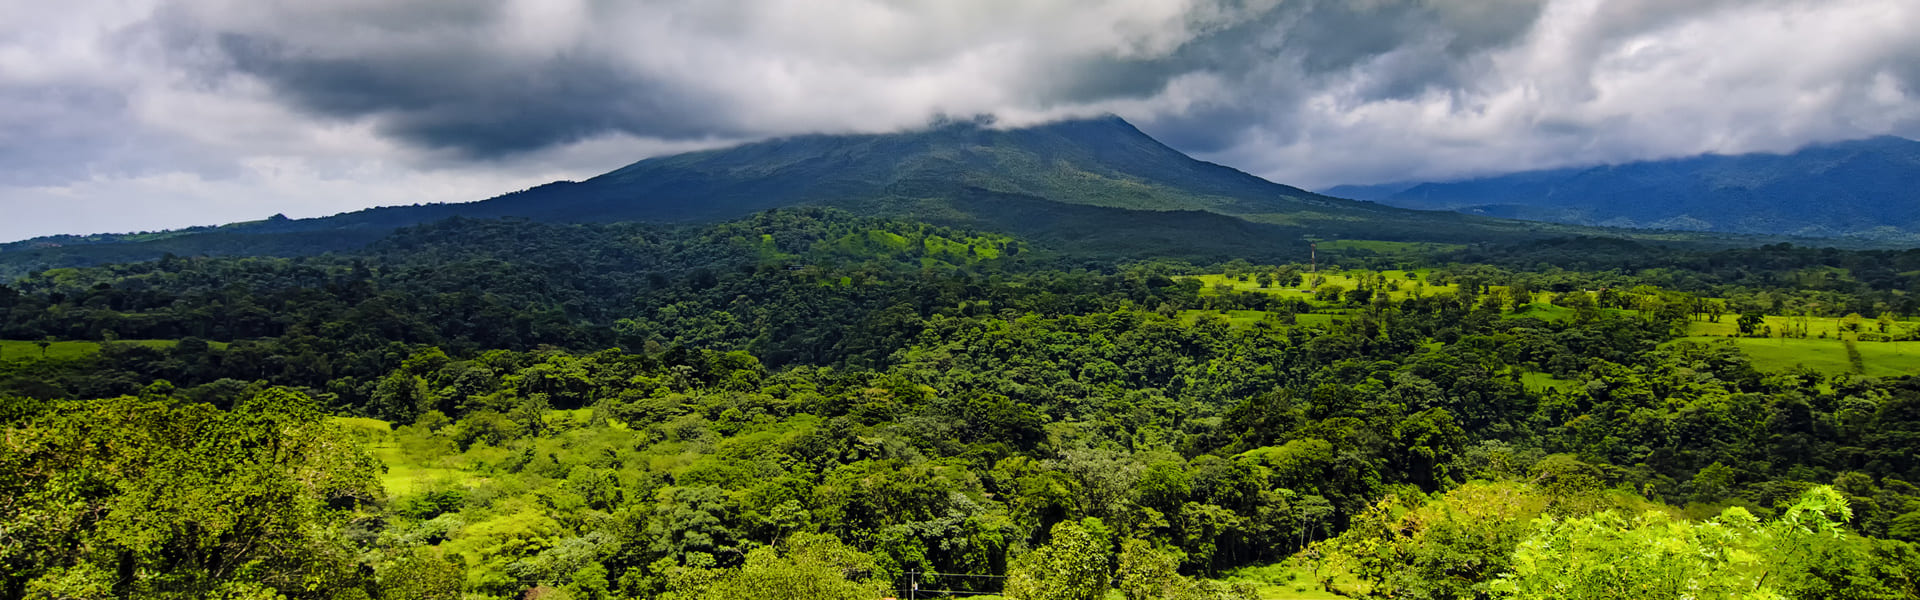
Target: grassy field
1816 326
1542 381
1824 349
1879 359
403 478
364 424
1544 312
409 471
403 474
12 349
1281 582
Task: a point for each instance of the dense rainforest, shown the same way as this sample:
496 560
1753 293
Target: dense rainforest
805 404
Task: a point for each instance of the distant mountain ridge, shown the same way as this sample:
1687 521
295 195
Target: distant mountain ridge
1087 183
1103 162
1867 188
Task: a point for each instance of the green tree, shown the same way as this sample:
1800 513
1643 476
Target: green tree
1150 573
1431 441
1851 322
1446 546
1146 572
1750 323
1073 565
400 398
133 497
1713 483
1733 556
419 572
804 567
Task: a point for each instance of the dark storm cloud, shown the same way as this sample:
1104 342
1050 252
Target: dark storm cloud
482 108
41 145
441 82
330 104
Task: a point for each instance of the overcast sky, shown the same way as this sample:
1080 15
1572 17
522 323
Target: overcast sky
124 115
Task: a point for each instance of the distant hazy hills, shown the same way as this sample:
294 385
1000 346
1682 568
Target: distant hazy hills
1865 188
1097 185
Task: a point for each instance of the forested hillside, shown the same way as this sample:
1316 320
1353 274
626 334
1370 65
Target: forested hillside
805 404
1859 188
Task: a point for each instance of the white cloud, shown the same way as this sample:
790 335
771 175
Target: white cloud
138 114
1583 88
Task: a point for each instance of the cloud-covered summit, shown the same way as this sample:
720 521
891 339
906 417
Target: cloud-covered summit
136 114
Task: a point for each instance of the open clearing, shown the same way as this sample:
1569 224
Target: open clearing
1829 356
1816 326
13 349
1539 382
401 474
1824 349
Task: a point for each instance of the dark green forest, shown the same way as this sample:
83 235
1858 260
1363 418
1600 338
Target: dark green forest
807 404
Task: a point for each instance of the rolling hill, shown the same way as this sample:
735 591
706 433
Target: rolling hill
1862 188
1093 184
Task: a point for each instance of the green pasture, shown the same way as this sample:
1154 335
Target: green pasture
1284 581
1879 359
1729 325
1543 311
13 349
1540 382
363 424
404 477
403 471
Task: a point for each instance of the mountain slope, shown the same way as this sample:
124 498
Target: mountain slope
1103 162
1096 185
1859 188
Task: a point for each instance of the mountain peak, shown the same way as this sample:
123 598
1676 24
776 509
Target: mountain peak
1102 161
1097 177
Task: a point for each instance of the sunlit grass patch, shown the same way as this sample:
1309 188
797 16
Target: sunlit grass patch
1879 359
67 349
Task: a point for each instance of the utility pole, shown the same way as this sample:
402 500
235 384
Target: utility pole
1313 256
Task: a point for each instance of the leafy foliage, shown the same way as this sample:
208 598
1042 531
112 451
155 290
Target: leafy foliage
1653 555
144 497
1071 566
804 400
